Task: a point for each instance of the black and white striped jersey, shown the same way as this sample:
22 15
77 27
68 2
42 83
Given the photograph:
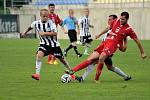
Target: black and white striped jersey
84 24
106 34
48 26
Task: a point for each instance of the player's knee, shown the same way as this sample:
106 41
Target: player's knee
102 57
73 43
39 56
111 68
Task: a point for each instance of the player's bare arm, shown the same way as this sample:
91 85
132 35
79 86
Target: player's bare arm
63 29
103 32
91 26
137 41
24 33
47 33
124 45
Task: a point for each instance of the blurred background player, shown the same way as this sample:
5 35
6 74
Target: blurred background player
85 36
108 60
71 23
47 31
55 18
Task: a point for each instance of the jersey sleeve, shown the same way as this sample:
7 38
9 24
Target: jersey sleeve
59 20
132 34
75 20
80 21
64 22
33 24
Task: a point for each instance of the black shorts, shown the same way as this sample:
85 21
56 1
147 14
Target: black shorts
56 51
86 39
72 35
108 60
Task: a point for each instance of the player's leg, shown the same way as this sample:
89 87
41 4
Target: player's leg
88 41
75 49
51 59
88 71
109 64
108 49
67 49
102 58
88 61
56 51
73 37
70 46
65 63
40 55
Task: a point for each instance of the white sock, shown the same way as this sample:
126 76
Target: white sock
88 71
38 66
120 72
86 50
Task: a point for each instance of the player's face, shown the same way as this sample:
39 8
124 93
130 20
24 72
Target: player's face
86 12
44 16
51 9
71 13
110 19
123 20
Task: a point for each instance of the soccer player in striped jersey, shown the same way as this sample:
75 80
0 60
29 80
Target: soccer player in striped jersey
71 23
85 36
108 60
47 31
55 18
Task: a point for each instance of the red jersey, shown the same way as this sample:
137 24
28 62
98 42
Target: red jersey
55 18
119 32
115 38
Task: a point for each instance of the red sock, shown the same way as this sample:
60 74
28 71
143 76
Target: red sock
82 65
54 58
98 71
49 58
73 77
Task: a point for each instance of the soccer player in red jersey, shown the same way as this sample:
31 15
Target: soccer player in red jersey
120 30
57 21
108 61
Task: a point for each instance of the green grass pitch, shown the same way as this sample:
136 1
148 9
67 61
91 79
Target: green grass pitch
17 61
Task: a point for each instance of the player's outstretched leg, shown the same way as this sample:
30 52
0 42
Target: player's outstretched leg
84 64
86 73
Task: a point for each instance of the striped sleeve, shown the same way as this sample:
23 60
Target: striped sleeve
33 24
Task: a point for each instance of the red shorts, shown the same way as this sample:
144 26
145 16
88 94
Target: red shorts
108 47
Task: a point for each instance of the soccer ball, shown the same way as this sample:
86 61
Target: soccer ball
66 78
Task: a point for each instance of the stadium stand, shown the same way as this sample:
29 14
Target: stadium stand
60 2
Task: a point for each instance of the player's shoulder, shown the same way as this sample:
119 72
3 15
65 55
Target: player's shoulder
128 27
36 21
50 21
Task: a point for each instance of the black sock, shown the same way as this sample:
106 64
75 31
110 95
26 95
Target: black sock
70 46
75 49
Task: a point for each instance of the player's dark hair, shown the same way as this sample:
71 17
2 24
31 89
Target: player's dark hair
126 14
51 4
114 16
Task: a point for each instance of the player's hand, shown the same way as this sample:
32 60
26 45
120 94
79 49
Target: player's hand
23 35
92 26
41 33
97 36
143 55
65 32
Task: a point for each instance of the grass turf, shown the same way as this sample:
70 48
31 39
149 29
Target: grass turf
17 61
